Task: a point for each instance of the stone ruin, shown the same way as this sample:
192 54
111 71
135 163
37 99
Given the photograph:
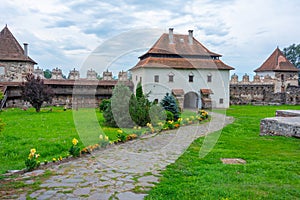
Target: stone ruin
262 90
285 123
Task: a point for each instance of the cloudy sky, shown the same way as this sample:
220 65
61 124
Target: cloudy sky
64 33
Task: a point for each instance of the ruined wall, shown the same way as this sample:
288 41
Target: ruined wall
264 91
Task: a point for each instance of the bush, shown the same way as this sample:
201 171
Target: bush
157 114
108 116
169 104
170 116
104 104
139 110
120 101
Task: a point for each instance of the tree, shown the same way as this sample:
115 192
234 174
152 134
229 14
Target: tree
117 112
292 53
139 90
47 74
169 104
35 91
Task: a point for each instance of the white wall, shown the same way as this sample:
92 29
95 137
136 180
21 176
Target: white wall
219 84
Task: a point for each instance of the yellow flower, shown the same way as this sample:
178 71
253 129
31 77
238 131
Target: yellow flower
120 131
60 158
32 151
187 119
139 127
53 159
179 119
75 141
106 138
37 156
192 117
101 137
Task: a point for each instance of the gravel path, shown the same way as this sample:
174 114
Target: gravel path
125 171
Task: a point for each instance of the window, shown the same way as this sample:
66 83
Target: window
141 79
191 77
221 101
156 78
136 78
209 78
171 77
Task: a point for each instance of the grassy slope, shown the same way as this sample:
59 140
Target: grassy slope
272 169
49 132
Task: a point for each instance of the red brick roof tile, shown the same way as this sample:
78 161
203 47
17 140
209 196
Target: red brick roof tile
180 55
10 49
277 62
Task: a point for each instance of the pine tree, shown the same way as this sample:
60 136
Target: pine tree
169 104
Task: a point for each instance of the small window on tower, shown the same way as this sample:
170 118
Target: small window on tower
221 101
171 77
156 78
191 77
209 78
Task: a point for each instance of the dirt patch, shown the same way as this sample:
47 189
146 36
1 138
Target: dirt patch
230 161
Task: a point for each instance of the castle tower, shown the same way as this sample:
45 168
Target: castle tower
74 74
56 74
280 69
123 76
107 76
15 62
91 74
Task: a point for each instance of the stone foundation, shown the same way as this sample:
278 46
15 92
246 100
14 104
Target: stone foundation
286 123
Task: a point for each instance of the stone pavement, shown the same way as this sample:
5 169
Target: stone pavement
125 171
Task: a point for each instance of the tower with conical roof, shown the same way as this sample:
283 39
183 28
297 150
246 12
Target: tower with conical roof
280 69
14 60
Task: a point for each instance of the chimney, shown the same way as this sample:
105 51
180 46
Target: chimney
171 36
190 36
26 49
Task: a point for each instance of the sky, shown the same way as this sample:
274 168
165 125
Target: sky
110 35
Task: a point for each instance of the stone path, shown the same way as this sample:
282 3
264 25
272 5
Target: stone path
125 171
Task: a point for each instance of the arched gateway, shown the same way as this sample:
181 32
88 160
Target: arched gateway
191 100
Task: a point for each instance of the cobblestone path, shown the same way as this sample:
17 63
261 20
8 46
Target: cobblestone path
125 171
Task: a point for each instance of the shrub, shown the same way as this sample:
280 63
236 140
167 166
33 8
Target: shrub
120 101
170 116
157 114
104 104
108 116
169 104
139 110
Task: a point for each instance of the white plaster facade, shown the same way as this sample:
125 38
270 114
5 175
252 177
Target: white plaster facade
219 83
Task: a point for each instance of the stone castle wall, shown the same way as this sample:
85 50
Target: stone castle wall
263 91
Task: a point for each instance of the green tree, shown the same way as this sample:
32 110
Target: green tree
292 53
139 90
120 101
35 91
47 74
169 104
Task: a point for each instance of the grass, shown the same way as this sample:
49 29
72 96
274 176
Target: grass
272 169
50 133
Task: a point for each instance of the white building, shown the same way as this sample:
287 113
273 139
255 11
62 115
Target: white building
181 65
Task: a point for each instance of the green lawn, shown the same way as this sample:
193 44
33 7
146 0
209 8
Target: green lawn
50 133
272 170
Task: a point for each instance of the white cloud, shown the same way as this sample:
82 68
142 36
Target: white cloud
63 33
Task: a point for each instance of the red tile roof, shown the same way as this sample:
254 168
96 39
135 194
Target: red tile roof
178 92
206 91
277 62
180 46
10 49
180 55
181 63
